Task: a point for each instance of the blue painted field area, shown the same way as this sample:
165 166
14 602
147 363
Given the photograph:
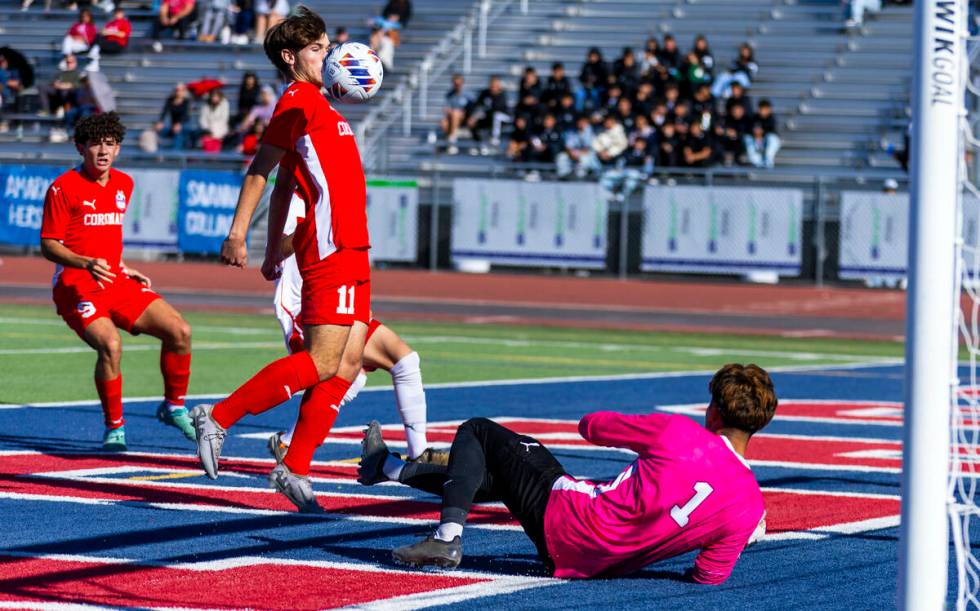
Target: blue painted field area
148 529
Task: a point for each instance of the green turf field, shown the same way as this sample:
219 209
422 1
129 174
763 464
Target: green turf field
42 360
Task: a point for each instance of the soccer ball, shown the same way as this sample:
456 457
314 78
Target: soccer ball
352 73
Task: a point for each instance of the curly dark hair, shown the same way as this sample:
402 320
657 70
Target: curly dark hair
744 395
95 128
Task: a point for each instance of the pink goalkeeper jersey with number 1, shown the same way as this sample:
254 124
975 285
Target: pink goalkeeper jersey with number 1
687 490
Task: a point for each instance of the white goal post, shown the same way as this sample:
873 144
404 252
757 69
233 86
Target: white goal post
933 302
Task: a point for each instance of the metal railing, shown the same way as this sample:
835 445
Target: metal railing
398 107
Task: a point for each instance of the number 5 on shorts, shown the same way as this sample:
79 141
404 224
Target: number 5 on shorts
345 300
681 514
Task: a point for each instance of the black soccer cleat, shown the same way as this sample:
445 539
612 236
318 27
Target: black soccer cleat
374 451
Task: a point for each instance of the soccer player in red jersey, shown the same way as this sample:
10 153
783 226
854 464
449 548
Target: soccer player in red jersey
95 292
320 160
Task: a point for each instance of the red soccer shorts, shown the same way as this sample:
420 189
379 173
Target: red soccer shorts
337 290
123 302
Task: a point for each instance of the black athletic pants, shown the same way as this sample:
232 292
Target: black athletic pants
490 463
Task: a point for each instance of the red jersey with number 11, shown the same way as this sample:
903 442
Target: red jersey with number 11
87 218
326 165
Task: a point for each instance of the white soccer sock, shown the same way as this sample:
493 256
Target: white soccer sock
448 531
355 388
410 397
393 467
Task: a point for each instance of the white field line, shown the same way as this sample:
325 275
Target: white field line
625 377
492 584
490 341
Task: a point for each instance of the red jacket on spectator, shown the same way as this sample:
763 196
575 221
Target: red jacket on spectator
83 30
118 31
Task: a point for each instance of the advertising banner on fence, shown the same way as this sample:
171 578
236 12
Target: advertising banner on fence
207 206
512 222
22 202
722 230
874 233
393 214
151 218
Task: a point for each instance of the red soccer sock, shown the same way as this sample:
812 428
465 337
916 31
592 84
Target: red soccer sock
176 369
110 394
277 382
319 409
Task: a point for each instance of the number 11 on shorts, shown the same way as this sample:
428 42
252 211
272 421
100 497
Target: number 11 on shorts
345 299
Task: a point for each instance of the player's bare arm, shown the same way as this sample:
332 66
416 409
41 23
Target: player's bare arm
278 210
233 251
56 252
136 275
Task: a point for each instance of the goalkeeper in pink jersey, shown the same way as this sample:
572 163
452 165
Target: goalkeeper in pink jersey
689 488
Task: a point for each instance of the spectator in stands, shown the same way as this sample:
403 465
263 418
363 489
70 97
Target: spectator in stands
577 154
394 16
175 115
556 87
738 97
672 94
530 85
643 100
267 14
629 172
626 72
81 35
730 134
175 15
531 109
658 116
250 143
763 143
64 88
643 129
93 87
213 121
519 141
489 111
383 44
10 84
855 10
248 96
565 114
588 97
244 21
624 114
742 71
454 112
262 111
694 74
697 151
547 143
340 36
669 57
595 66
115 34
610 143
681 117
669 147
703 51
902 155
216 22
649 61
703 106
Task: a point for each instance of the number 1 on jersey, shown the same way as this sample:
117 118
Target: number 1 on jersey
345 300
682 514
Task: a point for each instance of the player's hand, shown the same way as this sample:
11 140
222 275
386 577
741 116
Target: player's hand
271 268
138 276
100 271
234 252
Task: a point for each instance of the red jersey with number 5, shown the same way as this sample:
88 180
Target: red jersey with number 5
87 218
326 165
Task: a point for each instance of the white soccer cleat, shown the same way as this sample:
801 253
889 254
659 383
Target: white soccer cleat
210 438
296 488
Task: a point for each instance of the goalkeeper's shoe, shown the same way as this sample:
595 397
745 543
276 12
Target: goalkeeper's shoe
178 418
114 440
296 488
277 447
210 438
430 552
